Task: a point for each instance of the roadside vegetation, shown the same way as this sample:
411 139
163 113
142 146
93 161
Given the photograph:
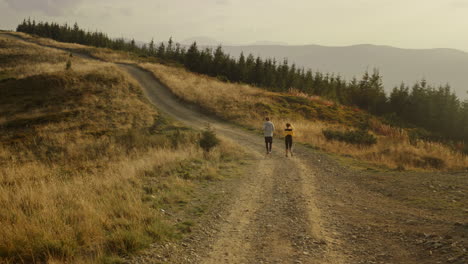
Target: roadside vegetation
87 166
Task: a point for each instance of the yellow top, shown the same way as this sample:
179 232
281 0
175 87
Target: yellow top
288 132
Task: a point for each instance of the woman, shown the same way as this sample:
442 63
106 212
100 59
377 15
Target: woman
288 139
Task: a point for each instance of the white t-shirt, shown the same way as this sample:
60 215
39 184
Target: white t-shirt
268 129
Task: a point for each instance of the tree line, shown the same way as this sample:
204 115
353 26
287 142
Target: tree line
436 109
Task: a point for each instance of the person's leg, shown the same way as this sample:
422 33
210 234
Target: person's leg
271 143
286 145
290 147
266 144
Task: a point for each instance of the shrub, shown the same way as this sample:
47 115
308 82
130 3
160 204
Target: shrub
208 139
68 65
222 78
431 162
307 111
417 134
357 137
139 139
263 108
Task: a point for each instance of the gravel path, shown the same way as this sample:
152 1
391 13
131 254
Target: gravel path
273 218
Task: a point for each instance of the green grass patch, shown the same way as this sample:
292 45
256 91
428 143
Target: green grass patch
356 137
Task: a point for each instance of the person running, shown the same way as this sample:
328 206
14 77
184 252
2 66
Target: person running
288 138
268 128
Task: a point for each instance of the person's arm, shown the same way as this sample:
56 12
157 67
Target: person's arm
272 127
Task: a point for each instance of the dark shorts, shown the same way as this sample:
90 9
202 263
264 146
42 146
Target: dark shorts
288 141
268 139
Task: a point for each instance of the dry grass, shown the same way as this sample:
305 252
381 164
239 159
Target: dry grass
100 53
55 212
229 101
86 162
248 105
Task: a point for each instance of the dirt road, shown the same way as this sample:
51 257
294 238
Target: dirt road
302 209
274 218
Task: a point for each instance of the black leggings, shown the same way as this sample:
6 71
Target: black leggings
268 143
288 141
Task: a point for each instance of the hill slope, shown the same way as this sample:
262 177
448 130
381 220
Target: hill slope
80 154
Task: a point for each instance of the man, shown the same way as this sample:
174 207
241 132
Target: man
268 129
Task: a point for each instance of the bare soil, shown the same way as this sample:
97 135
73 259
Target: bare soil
312 208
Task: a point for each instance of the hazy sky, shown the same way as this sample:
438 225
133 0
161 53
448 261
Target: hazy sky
400 23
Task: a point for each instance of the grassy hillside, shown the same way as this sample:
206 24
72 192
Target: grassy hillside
246 105
86 162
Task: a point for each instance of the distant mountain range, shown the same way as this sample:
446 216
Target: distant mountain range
396 65
206 41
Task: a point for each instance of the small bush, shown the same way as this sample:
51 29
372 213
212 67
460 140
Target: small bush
180 138
263 108
464 149
400 167
208 139
68 65
222 78
357 137
307 111
431 162
420 134
140 139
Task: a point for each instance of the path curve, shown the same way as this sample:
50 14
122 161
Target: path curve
274 219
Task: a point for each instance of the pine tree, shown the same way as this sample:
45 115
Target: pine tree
132 45
169 49
192 58
249 65
218 62
242 68
151 48
399 100
161 52
257 72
